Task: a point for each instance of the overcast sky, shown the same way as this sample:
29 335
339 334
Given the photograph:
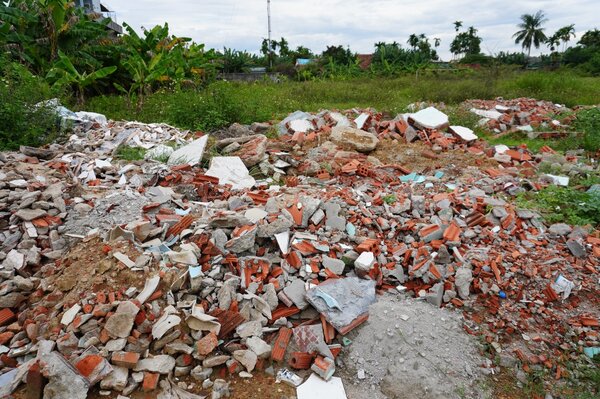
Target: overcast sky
241 24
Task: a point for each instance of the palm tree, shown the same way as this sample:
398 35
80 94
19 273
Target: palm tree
553 41
413 41
436 42
458 25
531 33
565 33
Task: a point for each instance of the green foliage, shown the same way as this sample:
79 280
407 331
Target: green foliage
226 102
563 35
467 42
391 59
588 122
563 204
63 73
279 53
237 61
32 32
160 59
127 153
560 87
390 199
590 38
341 71
479 59
532 32
24 123
511 58
339 55
420 43
585 56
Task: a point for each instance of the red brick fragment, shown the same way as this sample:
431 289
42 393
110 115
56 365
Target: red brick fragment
281 343
301 360
6 316
150 382
125 359
207 344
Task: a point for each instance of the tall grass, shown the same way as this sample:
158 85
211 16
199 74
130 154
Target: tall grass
223 103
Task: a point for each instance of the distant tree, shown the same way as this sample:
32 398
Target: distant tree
423 45
413 41
302 52
458 25
586 55
590 38
511 58
565 33
467 43
553 41
532 32
284 49
339 55
269 52
390 59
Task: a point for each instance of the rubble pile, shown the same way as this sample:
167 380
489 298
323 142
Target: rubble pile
523 115
163 275
361 130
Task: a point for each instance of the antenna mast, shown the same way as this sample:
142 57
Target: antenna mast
269 22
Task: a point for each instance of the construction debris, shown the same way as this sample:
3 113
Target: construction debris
131 276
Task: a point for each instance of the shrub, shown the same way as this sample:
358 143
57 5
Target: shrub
21 121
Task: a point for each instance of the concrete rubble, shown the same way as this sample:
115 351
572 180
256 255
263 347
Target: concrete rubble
129 276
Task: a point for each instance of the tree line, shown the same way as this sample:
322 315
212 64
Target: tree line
74 51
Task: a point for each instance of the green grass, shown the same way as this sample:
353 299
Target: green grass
571 142
223 103
563 204
127 153
390 199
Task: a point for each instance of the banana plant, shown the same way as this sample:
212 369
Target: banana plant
56 21
63 73
143 75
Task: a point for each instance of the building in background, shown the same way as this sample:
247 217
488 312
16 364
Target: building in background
102 11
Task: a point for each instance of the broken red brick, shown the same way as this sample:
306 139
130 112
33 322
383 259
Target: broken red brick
150 382
281 343
125 359
6 316
207 344
88 364
301 360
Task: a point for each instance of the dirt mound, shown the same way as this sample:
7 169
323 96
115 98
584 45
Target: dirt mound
89 267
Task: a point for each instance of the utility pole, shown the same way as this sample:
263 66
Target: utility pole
269 23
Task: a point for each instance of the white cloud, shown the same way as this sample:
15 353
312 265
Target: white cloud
359 24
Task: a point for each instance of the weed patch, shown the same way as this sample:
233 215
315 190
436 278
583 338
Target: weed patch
127 153
563 204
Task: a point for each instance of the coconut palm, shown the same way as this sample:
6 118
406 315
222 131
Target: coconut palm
532 32
458 25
